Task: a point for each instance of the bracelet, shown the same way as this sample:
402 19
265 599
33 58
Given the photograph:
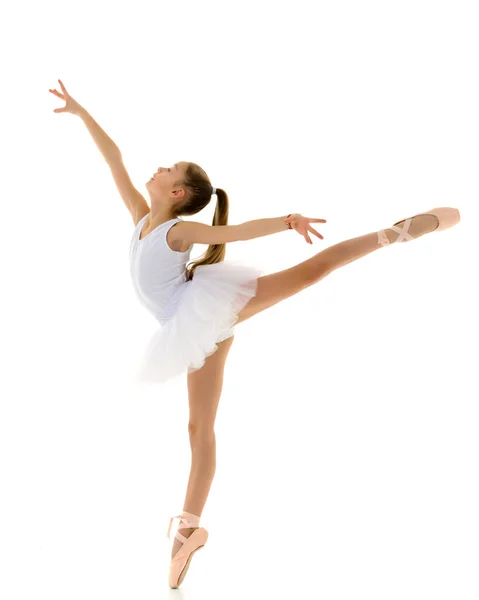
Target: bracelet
289 224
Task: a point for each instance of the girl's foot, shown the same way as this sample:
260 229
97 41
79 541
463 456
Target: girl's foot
190 541
409 229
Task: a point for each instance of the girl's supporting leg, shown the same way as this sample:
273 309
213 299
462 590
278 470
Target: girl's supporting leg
204 392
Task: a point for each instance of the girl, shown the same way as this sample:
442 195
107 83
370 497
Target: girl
199 304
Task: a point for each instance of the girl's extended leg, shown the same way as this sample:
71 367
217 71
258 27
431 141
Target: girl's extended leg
284 284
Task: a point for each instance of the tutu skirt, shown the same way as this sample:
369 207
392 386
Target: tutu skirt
204 312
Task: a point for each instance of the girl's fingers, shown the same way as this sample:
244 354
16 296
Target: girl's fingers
316 233
63 87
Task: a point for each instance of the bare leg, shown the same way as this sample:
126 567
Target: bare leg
204 392
203 468
278 286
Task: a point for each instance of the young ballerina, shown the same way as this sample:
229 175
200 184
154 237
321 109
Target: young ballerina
198 305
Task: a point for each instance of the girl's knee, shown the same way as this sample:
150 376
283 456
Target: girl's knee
201 431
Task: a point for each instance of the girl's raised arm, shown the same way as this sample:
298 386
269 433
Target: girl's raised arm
133 199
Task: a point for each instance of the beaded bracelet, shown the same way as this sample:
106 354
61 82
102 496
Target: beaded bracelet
289 224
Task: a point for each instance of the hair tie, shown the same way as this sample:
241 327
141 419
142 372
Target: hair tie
214 191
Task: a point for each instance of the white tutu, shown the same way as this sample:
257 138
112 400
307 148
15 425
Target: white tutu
206 309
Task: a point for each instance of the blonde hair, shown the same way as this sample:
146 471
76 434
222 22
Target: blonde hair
198 195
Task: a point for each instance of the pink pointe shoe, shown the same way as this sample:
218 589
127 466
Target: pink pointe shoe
181 560
446 217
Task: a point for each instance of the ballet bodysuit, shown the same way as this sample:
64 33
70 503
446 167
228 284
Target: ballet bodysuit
192 316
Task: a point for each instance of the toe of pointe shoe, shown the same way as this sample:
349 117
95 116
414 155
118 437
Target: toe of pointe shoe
181 561
447 217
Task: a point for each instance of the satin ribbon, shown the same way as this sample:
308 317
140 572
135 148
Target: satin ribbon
189 520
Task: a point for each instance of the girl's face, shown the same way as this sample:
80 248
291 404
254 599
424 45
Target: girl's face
165 178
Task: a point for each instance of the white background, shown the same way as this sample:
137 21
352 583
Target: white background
347 447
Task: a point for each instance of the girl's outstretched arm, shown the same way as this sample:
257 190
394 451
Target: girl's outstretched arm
132 198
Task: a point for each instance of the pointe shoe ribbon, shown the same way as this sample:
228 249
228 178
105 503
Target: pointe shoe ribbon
403 233
189 520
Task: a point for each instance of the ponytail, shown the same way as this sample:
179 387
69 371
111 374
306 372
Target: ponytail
214 253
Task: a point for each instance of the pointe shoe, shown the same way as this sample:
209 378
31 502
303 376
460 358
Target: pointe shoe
446 217
181 560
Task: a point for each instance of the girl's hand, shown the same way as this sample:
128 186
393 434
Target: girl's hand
71 106
302 225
